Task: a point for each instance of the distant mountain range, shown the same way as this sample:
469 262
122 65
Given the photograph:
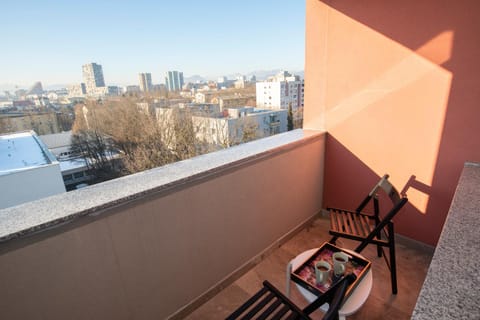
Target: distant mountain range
259 74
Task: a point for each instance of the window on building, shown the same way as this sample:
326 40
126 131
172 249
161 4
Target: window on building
78 175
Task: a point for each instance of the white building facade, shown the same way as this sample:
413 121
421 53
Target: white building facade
280 92
28 170
237 125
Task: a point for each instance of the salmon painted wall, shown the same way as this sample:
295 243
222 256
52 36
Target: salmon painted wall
397 86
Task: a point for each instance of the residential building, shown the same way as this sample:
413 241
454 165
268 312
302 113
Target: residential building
131 89
174 80
224 83
93 77
24 104
98 91
237 125
204 96
114 90
40 122
239 84
280 92
77 90
28 170
158 87
145 80
228 101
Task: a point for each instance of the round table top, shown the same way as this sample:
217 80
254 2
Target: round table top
354 301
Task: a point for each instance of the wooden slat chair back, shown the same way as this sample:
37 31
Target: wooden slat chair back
270 303
368 228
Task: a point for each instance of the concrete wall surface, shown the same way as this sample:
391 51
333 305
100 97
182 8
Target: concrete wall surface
148 258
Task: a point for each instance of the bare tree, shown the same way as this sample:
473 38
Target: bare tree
121 128
92 144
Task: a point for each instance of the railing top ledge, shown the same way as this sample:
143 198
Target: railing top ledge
35 216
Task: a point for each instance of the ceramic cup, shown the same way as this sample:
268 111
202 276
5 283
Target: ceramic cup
340 260
322 271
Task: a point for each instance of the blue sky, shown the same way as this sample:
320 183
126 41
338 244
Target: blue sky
49 41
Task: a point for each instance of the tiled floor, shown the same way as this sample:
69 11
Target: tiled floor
412 264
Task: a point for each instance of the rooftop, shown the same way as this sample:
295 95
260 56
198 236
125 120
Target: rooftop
22 151
56 140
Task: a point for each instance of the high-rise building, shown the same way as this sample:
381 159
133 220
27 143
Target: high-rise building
280 92
174 80
145 81
93 77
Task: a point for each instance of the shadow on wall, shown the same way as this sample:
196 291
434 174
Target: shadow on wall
430 163
357 179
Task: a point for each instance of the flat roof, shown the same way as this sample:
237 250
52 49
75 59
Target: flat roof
57 140
72 164
21 151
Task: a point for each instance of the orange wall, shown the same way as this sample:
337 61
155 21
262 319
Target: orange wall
396 85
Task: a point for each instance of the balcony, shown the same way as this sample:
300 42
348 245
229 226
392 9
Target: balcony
381 95
162 243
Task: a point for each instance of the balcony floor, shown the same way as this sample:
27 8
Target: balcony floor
381 304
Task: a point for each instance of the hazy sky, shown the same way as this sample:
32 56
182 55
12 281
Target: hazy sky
49 41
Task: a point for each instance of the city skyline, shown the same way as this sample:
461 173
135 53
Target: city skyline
50 43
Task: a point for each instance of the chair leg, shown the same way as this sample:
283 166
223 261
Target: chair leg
376 209
379 248
393 263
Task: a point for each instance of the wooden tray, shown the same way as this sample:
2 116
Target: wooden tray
304 275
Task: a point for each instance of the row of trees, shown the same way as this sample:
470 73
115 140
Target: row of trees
117 137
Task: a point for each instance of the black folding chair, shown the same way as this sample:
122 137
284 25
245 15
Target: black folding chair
368 228
270 303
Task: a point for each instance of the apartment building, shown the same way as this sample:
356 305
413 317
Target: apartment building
93 78
145 80
174 80
240 124
280 92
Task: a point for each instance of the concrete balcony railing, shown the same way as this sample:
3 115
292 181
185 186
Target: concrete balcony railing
157 243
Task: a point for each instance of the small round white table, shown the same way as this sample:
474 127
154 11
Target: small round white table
353 302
